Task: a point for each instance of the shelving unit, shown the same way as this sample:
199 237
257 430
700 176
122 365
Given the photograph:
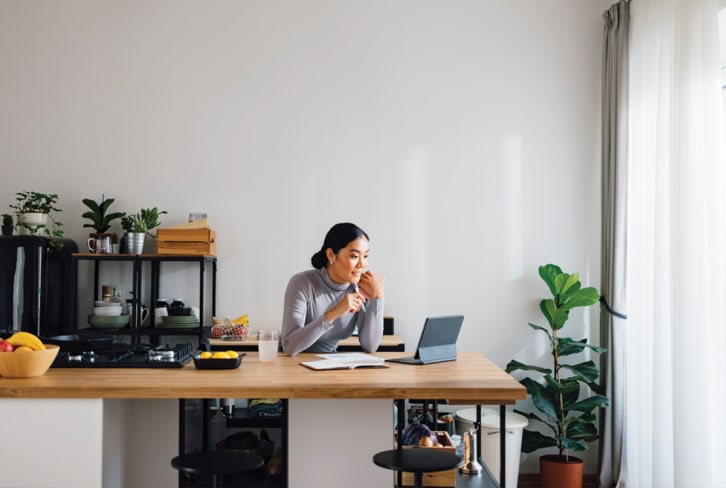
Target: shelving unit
155 261
194 429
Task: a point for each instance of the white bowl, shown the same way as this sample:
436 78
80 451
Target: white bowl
107 311
102 303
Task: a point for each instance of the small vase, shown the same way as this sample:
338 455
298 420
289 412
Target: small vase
135 242
7 230
556 472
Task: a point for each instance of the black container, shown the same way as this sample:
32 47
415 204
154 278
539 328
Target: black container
36 292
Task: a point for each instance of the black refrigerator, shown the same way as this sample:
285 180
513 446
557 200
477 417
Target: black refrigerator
37 285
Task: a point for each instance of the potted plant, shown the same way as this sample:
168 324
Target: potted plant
139 225
100 216
569 418
35 215
7 227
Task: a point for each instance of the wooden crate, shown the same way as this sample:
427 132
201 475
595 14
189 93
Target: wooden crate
185 241
439 478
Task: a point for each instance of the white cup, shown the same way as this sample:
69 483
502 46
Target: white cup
267 343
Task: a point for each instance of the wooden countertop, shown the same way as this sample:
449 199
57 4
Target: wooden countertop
471 379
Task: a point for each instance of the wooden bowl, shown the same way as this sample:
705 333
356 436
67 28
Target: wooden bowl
27 364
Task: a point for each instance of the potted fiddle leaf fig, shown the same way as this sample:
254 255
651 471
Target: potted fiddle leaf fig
35 213
139 225
566 395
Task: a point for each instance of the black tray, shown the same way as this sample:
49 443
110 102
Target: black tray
222 363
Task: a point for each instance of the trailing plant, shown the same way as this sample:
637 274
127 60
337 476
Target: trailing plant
44 203
570 418
99 215
143 221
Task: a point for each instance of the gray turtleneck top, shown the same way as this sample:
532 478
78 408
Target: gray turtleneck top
304 329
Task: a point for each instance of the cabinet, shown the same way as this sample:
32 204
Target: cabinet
146 272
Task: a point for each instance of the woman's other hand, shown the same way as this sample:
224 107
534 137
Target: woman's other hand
351 302
371 285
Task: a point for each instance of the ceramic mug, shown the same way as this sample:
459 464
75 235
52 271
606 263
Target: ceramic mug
144 314
99 245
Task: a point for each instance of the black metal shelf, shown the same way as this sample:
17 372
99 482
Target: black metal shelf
135 330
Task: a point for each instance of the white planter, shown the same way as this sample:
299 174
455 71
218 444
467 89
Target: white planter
30 223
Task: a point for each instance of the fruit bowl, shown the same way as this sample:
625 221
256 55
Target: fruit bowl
27 364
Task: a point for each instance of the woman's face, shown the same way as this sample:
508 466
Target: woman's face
349 263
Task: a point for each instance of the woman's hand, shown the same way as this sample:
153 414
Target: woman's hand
351 302
371 285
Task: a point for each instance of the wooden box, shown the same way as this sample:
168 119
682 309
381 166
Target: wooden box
185 241
439 478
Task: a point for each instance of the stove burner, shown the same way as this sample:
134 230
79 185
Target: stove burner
129 356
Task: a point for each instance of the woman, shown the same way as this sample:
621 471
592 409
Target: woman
323 305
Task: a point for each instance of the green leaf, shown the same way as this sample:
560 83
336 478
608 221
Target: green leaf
586 371
591 403
548 273
582 298
533 440
515 365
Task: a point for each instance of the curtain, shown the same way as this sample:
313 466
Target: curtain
676 272
613 234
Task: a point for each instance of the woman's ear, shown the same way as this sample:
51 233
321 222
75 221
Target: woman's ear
330 255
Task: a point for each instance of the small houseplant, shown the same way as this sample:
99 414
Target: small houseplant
569 419
7 227
36 215
99 214
139 225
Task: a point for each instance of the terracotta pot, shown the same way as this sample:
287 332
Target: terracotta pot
556 472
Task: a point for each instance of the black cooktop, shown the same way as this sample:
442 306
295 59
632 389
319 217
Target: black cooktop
128 356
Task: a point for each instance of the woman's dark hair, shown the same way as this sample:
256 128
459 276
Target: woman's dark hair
336 239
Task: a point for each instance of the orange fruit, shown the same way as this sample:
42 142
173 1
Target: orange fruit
23 349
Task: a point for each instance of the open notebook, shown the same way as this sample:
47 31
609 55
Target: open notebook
350 360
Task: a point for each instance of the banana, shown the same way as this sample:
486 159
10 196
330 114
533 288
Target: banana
23 338
241 320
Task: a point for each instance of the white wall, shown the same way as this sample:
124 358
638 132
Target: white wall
462 136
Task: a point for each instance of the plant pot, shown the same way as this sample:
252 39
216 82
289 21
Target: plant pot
30 223
556 472
134 242
7 230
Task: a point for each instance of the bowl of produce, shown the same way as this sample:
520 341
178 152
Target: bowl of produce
23 355
218 360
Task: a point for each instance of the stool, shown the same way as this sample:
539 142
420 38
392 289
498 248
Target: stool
217 463
417 461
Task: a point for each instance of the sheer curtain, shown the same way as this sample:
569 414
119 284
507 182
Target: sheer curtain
676 370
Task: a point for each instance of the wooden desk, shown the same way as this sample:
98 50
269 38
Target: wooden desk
388 343
471 379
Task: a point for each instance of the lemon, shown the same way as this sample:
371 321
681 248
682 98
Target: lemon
205 355
220 355
232 354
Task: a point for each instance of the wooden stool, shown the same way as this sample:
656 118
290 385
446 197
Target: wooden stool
217 463
417 461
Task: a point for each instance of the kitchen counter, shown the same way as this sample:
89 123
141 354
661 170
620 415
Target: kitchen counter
470 379
118 427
